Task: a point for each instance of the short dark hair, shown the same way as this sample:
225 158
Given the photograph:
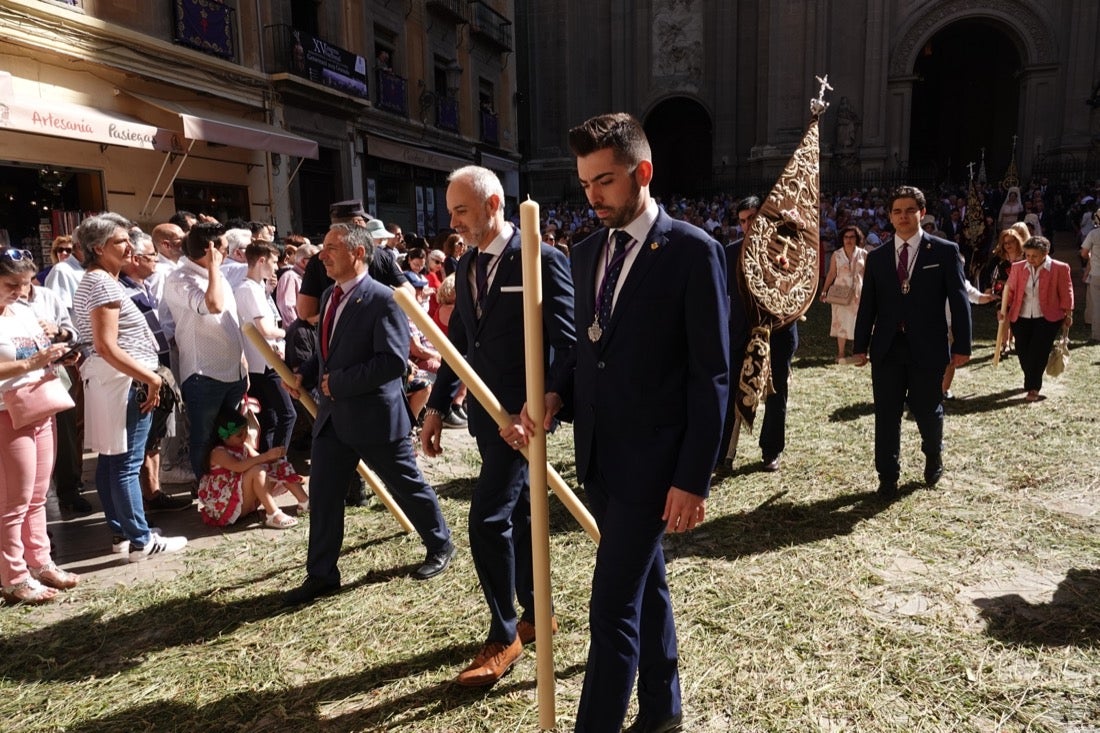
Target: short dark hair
855 230
1041 243
618 131
749 202
907 192
180 219
201 236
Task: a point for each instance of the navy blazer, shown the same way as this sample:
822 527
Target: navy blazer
650 396
493 345
936 278
367 359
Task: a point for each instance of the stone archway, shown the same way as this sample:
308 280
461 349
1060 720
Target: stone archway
966 99
1020 29
682 137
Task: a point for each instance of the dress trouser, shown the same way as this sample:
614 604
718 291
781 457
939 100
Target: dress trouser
333 458
897 379
1034 340
630 614
500 535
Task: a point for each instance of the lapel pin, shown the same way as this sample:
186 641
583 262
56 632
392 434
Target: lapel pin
653 245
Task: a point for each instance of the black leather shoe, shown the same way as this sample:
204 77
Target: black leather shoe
74 503
770 464
645 724
358 494
309 591
888 488
436 563
933 469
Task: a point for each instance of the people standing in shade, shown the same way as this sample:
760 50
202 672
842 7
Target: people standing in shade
120 372
1039 300
648 396
487 329
846 270
213 372
362 413
27 574
902 325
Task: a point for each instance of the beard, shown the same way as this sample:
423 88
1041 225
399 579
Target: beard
619 216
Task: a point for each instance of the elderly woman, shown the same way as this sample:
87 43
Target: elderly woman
26 453
1038 300
120 372
845 269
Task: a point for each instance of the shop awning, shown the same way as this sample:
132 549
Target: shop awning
240 133
77 122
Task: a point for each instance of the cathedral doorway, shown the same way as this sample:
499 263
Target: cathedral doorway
681 135
966 97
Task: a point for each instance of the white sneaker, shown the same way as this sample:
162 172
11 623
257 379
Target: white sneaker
120 545
157 545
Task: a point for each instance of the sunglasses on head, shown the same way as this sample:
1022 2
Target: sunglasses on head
17 255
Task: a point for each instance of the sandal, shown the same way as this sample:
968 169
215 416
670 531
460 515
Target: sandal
279 520
52 576
30 591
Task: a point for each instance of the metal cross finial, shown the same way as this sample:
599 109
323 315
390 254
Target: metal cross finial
819 105
824 82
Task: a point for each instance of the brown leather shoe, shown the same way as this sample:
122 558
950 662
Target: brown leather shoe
490 664
525 630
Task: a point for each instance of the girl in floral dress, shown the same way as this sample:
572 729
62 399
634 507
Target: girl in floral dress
239 480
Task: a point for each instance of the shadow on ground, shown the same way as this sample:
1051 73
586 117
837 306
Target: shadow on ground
1072 618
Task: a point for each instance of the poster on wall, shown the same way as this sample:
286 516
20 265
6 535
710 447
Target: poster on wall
420 210
323 63
429 210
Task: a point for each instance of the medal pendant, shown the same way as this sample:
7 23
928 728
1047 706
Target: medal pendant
594 332
905 287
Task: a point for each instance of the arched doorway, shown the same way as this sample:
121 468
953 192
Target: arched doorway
966 98
680 133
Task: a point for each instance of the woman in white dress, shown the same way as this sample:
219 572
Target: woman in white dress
1012 210
845 270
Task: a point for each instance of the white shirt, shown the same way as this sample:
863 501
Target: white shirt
496 249
209 344
1030 307
253 302
64 279
346 287
638 230
912 244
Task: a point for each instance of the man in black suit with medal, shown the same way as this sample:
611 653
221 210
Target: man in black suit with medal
902 325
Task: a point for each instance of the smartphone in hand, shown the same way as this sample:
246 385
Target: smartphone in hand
74 348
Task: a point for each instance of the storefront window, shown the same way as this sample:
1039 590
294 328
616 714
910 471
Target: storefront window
38 203
219 200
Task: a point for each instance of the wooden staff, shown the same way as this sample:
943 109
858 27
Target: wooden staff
536 456
304 397
488 400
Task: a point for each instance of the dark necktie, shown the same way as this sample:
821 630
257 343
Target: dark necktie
481 279
330 319
903 263
611 278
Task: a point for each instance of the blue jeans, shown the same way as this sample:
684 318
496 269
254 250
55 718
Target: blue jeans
116 478
204 397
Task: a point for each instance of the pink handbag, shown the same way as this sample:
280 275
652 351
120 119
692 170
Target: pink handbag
33 402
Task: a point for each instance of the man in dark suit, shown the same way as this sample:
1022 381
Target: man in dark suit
783 343
362 412
648 397
902 319
487 328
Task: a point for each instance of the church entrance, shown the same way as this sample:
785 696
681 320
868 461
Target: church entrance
681 135
966 97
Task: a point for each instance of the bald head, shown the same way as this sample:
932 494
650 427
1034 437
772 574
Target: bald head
168 239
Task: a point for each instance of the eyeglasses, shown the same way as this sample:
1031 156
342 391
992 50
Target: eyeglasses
63 250
17 255
144 256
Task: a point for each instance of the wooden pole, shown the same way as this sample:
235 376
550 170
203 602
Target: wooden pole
536 456
488 400
304 397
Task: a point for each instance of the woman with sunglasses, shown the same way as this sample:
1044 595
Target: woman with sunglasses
27 573
120 370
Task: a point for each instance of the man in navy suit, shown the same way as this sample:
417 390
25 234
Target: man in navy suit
902 318
362 412
487 328
648 397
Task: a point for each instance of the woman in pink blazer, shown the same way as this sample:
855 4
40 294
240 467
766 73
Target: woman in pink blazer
1038 299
